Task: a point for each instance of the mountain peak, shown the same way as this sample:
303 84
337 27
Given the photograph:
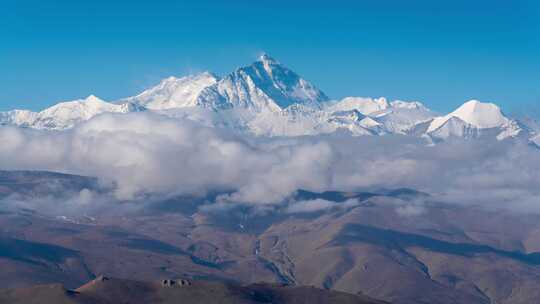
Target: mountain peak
207 74
191 77
266 84
480 114
365 105
411 105
92 99
476 105
173 92
265 58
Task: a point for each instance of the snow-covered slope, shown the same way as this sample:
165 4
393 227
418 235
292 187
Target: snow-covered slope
173 92
454 127
478 114
474 119
383 117
401 116
266 85
364 105
65 114
22 118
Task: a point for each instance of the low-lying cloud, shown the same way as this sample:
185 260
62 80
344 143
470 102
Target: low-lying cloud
318 205
145 153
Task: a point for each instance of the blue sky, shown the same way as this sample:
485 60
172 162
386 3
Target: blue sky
438 52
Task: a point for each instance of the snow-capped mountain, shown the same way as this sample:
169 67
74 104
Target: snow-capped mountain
478 114
266 85
401 116
381 116
363 105
65 114
474 119
173 92
267 98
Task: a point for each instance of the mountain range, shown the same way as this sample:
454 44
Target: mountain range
385 246
267 98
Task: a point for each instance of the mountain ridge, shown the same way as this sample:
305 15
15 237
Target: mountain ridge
267 98
106 290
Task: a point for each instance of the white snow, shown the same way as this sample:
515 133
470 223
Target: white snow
17 117
411 105
264 85
67 114
64 114
266 98
174 92
364 105
478 114
369 122
403 116
454 127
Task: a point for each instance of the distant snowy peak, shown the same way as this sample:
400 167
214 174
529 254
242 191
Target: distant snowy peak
484 118
174 92
481 115
402 116
65 114
411 105
264 85
84 108
380 116
364 105
22 118
383 117
478 114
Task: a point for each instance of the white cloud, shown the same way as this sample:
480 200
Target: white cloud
310 206
147 153
318 205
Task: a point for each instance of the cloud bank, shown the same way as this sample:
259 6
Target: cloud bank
145 153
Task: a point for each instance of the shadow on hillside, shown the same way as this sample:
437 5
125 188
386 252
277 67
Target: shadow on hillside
399 240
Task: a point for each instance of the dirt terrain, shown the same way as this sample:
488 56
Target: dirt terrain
104 290
446 254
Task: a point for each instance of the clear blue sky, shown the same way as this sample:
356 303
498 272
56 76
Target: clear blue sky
438 52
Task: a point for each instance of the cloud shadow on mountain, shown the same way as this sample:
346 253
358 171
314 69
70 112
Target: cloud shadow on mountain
392 239
33 252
